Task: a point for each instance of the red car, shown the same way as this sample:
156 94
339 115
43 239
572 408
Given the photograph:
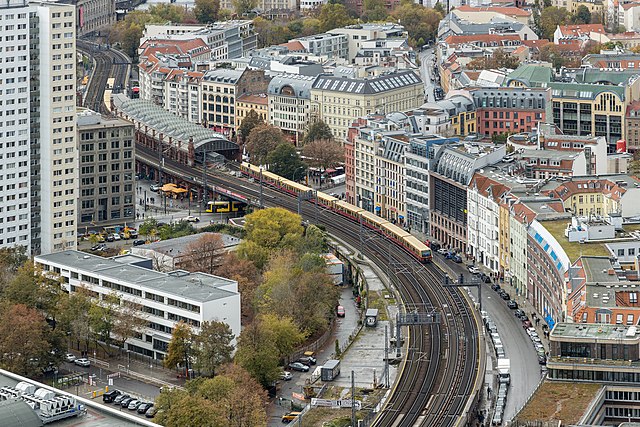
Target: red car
340 311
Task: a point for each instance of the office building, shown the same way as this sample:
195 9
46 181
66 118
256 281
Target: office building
94 15
164 298
107 166
54 153
290 104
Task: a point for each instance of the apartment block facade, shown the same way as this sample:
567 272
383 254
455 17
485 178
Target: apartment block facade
164 298
290 104
54 154
107 182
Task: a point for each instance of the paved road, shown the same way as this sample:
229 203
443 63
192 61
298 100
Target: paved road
525 370
426 63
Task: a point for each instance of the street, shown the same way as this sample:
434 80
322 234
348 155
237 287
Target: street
525 370
427 58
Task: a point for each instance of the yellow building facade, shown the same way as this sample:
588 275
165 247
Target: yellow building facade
464 123
245 103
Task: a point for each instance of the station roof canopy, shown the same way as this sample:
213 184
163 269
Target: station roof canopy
173 126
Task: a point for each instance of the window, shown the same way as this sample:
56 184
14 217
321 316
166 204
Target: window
633 297
629 319
618 319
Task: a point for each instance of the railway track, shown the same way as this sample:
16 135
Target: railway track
439 376
107 63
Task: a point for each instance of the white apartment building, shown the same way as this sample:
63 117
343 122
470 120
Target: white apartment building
360 33
182 94
520 218
483 221
54 151
165 298
307 6
364 153
326 44
15 156
289 103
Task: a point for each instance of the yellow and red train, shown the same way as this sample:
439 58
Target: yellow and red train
409 242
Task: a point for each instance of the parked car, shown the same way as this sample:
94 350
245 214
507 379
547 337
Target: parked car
134 404
151 412
512 304
536 339
125 402
118 400
144 407
524 318
307 360
519 312
138 242
505 296
133 234
50 369
443 251
542 359
485 278
155 187
526 324
110 238
449 255
286 376
340 311
110 396
456 258
300 367
69 357
116 236
191 218
99 247
82 362
287 418
473 269
496 287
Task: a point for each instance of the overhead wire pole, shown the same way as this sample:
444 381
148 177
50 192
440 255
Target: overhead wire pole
205 193
261 195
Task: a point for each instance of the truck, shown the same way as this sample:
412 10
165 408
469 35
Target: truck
504 366
330 370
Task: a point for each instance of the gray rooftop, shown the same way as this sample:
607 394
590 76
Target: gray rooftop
384 83
178 246
597 268
173 126
592 331
223 75
91 119
301 85
196 286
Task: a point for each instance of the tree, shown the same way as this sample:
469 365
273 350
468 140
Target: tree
205 254
23 339
262 140
30 287
550 18
257 353
374 10
246 274
286 162
102 319
250 121
149 227
179 346
323 153
243 7
333 16
213 346
74 318
582 15
420 22
129 319
167 12
318 130
499 59
206 11
285 334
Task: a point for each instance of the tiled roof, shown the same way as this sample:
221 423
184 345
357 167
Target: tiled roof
582 29
294 46
260 98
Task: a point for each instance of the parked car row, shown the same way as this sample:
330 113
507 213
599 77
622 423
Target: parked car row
501 401
537 344
492 331
129 402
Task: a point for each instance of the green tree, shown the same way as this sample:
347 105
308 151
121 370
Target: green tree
499 59
333 16
30 287
167 12
285 334
420 22
213 346
23 339
206 11
250 121
243 7
582 15
440 9
149 227
550 18
74 318
179 351
262 140
318 130
102 318
374 10
286 162
257 353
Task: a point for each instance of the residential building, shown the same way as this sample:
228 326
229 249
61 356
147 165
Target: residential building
179 254
487 13
452 170
247 102
509 110
289 97
226 39
482 23
595 352
519 219
326 44
15 171
582 32
632 126
182 94
338 100
595 7
358 33
390 177
107 168
629 16
613 59
269 8
54 153
93 15
164 298
307 6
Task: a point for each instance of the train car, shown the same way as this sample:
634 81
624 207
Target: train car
111 82
325 199
347 209
107 99
294 187
372 220
393 231
417 248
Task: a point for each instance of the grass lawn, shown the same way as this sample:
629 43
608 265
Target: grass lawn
574 250
377 301
562 401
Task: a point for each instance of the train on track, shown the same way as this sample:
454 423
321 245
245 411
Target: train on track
224 206
405 239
